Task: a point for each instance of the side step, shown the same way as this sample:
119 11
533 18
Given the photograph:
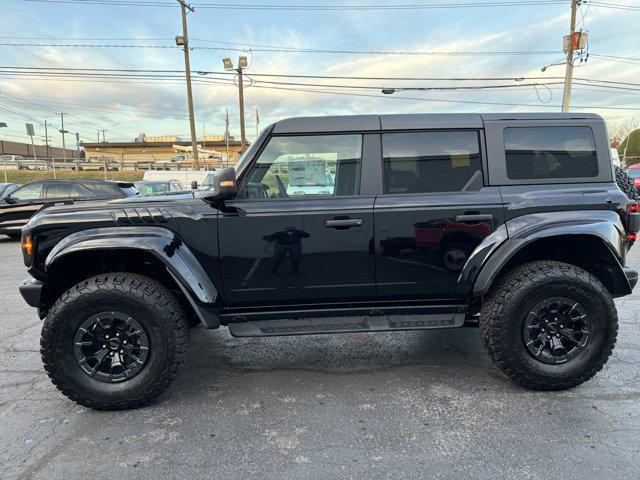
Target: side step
311 322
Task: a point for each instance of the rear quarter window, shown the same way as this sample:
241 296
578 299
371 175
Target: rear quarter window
534 153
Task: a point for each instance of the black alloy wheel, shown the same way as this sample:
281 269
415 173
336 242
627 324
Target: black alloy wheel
111 347
556 330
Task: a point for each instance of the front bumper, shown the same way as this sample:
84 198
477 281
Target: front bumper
632 276
31 291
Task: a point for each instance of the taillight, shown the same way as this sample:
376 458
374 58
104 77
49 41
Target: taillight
27 245
632 236
633 208
636 182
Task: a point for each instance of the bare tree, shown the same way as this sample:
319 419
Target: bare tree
621 131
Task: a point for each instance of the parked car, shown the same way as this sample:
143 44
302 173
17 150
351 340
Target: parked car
7 188
17 207
541 225
154 187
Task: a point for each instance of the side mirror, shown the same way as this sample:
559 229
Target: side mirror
8 199
224 186
194 185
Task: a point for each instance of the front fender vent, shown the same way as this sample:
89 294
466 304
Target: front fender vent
143 216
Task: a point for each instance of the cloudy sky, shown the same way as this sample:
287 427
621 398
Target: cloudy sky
127 106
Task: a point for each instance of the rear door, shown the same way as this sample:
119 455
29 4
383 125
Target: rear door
434 210
301 229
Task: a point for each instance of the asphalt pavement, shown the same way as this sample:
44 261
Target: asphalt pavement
363 406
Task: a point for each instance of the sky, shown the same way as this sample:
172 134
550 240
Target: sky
126 108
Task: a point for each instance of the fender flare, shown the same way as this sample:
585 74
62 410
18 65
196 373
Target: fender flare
489 258
164 245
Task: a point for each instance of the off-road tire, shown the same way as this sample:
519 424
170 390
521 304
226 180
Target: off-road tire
504 312
625 182
154 307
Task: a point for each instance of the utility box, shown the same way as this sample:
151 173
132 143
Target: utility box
579 42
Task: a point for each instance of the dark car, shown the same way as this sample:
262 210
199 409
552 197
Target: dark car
7 188
155 187
511 222
18 206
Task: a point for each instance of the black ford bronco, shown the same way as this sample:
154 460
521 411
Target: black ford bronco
511 222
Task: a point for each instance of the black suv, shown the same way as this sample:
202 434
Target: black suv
17 207
513 222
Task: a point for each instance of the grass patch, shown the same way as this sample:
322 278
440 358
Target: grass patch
26 176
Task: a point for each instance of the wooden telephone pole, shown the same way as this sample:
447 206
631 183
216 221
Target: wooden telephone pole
568 76
184 41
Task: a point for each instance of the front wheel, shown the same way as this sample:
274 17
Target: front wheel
549 325
114 341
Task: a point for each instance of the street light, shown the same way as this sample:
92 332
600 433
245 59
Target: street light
242 64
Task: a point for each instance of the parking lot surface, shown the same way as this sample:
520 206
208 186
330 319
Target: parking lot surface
388 405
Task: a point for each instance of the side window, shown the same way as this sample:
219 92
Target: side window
550 152
428 162
32 191
101 190
58 190
311 165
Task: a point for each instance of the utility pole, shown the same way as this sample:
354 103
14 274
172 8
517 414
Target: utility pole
568 76
63 131
184 41
104 140
98 136
46 139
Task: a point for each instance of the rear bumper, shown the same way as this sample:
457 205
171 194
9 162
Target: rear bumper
31 291
632 276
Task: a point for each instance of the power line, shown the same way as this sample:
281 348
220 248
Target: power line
325 7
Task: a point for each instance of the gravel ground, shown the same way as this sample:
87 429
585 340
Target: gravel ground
388 405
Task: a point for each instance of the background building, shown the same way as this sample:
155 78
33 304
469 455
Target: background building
150 149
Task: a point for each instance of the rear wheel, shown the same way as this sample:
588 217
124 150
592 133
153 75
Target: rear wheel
114 341
549 325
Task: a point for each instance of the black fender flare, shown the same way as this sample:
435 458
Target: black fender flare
163 244
488 259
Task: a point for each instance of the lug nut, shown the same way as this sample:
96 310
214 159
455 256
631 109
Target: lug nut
548 337
561 326
107 337
122 351
558 335
111 354
117 334
104 346
124 342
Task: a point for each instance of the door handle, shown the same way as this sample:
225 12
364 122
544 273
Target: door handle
474 218
343 223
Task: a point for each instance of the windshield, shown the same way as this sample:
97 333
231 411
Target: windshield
633 172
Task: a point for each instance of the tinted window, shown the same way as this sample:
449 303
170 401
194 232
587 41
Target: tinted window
550 152
58 190
28 192
424 162
298 166
101 189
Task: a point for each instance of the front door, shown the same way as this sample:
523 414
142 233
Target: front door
16 210
299 231
433 212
